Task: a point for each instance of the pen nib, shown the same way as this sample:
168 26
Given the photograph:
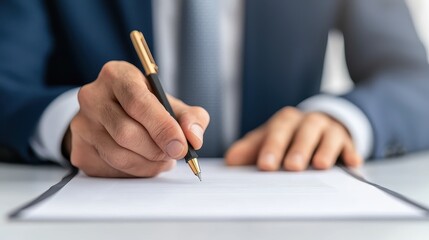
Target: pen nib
199 176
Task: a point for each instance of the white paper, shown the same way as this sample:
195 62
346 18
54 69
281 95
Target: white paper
224 193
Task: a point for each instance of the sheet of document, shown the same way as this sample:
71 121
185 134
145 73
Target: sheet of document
225 193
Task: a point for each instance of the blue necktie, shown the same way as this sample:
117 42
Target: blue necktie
198 67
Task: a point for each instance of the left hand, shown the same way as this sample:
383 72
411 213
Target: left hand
293 140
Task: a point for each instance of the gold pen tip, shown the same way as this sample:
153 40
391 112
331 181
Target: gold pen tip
199 176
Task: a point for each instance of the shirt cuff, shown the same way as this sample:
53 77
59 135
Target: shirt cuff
348 114
53 124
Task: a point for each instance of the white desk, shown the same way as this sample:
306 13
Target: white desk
408 175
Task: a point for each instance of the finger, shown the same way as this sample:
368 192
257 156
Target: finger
193 121
113 154
245 151
133 95
129 133
127 161
305 141
84 157
330 147
349 155
280 131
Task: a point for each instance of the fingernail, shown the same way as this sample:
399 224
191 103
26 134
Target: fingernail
174 149
197 130
270 160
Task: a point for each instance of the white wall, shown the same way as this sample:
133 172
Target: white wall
335 76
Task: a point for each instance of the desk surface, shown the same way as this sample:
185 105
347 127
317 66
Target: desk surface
407 175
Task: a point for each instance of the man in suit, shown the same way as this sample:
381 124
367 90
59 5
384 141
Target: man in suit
114 126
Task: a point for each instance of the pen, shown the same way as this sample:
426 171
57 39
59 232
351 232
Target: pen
151 73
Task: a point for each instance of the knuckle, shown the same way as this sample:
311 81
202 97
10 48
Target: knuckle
132 73
130 137
121 161
127 88
290 111
138 106
117 70
127 135
164 130
118 160
286 114
313 117
109 70
107 114
317 119
124 134
84 96
75 123
79 125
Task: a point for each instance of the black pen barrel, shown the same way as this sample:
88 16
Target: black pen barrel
159 93
162 97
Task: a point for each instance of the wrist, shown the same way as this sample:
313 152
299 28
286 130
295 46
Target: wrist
49 137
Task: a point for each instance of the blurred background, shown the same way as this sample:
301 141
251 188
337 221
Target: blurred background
336 79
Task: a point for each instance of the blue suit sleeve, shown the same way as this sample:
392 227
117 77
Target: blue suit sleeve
25 47
388 63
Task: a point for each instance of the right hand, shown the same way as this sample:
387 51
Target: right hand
122 130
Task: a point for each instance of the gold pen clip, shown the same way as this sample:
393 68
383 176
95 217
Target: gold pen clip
143 52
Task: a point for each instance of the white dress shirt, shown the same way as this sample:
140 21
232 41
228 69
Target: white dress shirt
56 118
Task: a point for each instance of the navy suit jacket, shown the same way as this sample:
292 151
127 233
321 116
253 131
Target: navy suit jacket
47 47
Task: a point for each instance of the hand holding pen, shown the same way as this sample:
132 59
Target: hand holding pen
123 130
151 70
